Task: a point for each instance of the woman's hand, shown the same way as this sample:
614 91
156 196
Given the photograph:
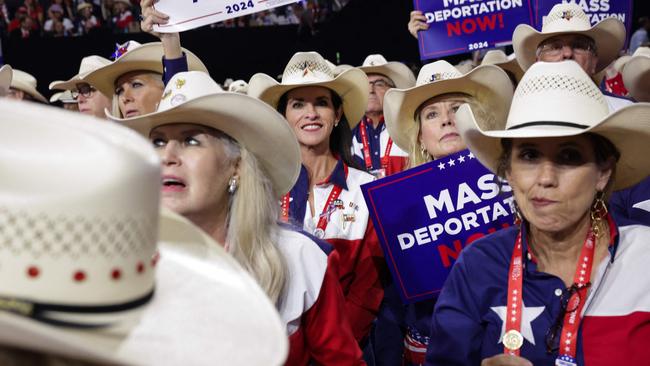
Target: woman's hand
417 22
506 360
171 41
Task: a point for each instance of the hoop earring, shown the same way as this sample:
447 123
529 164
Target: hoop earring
598 212
232 185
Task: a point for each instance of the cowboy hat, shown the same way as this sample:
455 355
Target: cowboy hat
399 73
311 69
559 99
133 56
238 86
83 6
507 63
437 78
80 218
88 65
5 79
193 97
63 97
636 74
27 83
569 18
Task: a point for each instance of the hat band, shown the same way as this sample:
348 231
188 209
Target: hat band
38 311
549 123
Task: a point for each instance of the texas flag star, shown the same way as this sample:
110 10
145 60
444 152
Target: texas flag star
529 314
643 205
451 162
441 166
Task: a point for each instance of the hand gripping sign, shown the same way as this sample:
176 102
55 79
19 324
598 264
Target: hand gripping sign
189 14
426 215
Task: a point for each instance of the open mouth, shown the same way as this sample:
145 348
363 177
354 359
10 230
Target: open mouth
311 127
173 184
132 113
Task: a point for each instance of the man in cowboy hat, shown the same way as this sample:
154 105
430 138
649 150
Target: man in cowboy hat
567 34
23 87
372 147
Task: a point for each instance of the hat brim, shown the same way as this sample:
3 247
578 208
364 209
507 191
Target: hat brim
609 36
627 128
70 84
5 79
18 84
147 57
351 85
255 125
399 73
636 78
485 83
191 263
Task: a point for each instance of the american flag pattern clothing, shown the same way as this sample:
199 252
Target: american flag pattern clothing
632 205
415 347
377 140
467 324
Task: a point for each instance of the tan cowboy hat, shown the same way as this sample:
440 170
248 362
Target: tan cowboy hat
338 69
133 56
569 18
5 79
636 74
193 97
88 65
437 78
508 63
399 73
311 69
64 97
93 271
83 6
560 99
27 83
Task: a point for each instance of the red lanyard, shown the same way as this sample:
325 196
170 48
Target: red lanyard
512 339
366 147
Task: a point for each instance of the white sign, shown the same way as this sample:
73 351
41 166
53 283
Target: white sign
189 14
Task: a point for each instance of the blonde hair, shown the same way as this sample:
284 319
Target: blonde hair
416 155
115 103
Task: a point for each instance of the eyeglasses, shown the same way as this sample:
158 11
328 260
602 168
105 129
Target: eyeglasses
380 83
579 45
83 89
553 333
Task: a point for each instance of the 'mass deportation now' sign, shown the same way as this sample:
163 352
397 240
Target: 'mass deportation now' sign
459 26
426 215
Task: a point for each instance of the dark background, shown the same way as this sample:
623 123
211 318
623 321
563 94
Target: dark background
363 27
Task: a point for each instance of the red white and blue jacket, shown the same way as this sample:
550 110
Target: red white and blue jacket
353 236
615 330
632 205
378 140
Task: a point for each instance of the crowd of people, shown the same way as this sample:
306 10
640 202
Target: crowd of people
263 251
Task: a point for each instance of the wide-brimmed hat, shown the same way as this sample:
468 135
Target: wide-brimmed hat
636 74
64 97
399 73
133 56
338 69
560 99
238 86
5 79
88 65
506 62
311 69
483 83
193 97
83 6
91 269
27 83
569 18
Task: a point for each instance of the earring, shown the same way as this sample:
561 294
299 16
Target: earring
232 185
598 213
423 151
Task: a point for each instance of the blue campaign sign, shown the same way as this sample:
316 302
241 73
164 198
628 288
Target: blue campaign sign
459 26
425 216
597 10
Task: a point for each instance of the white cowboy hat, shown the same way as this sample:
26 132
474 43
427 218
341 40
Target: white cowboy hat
63 97
506 62
88 65
238 86
133 56
437 78
79 217
399 73
5 79
636 74
27 83
311 69
82 6
338 69
193 97
569 18
560 99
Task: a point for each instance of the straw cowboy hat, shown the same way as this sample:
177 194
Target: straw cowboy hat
559 99
437 78
84 275
508 63
88 65
27 83
193 97
5 79
238 86
133 56
311 69
63 97
636 74
399 73
569 18
338 69
83 6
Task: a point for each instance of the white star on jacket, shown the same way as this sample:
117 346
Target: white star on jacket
643 205
529 315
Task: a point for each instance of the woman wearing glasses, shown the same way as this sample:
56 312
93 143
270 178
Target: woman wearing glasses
567 286
90 100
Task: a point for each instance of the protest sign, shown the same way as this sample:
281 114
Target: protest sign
459 26
425 216
189 14
596 10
